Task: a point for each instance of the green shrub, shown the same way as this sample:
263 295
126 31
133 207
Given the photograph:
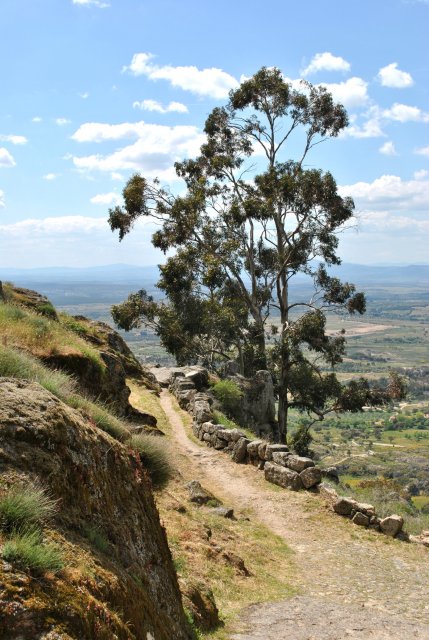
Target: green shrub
229 396
25 507
301 440
154 456
48 310
27 549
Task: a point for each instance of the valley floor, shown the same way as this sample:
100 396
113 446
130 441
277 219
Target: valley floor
353 583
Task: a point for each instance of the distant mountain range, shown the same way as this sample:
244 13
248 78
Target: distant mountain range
147 276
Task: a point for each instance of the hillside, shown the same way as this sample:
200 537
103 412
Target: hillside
89 559
84 554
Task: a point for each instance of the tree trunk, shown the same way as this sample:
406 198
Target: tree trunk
283 391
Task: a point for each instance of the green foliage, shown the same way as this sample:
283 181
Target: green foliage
195 632
301 440
239 238
48 310
229 396
154 454
27 549
25 506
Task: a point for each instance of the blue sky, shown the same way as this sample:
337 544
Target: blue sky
94 90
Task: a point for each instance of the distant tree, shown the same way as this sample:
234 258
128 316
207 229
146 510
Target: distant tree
247 225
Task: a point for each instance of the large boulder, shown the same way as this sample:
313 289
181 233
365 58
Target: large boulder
256 410
98 483
282 476
239 451
310 477
392 525
299 463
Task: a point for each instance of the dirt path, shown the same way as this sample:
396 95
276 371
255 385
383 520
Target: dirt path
355 583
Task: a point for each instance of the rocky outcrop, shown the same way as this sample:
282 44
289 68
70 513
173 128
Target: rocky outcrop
31 300
165 376
256 409
109 341
132 592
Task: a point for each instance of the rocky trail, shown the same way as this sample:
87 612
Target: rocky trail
353 583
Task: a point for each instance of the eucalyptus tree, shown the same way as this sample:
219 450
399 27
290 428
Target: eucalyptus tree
253 216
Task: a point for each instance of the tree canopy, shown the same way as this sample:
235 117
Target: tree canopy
250 220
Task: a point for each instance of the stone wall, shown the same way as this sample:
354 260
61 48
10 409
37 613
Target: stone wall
280 466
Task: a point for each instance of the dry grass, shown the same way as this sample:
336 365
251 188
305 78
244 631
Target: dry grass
41 336
201 543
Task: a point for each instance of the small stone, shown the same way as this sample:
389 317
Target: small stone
281 457
197 493
310 477
360 519
273 448
367 509
345 506
223 512
239 451
299 463
392 525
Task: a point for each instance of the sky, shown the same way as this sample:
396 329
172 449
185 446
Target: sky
93 91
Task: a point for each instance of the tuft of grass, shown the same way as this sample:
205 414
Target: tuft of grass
27 549
25 507
16 364
102 418
154 454
97 538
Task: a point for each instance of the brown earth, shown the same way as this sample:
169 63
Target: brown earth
353 583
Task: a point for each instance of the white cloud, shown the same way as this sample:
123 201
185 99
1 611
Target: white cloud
84 95
6 159
391 76
326 62
74 240
212 82
156 149
61 122
2 202
106 198
153 105
53 226
14 139
36 119
421 174
117 176
405 113
92 3
51 176
423 151
389 193
351 93
371 127
388 149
